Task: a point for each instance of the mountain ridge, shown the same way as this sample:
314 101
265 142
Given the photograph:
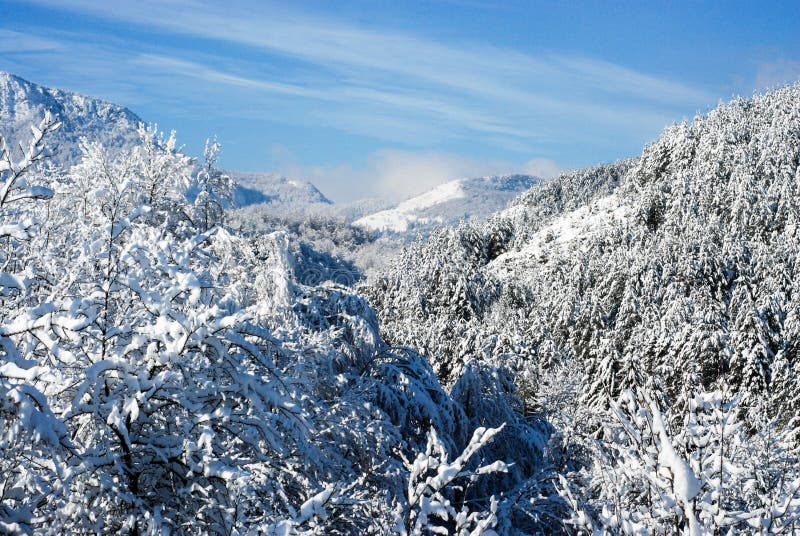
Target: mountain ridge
466 199
278 191
23 103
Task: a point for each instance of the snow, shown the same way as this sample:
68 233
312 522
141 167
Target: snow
276 192
685 484
448 203
567 230
23 102
399 218
425 490
131 349
315 506
9 280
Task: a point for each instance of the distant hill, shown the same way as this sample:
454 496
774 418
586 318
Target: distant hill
280 193
355 210
23 103
461 200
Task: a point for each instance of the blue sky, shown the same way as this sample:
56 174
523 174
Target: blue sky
387 99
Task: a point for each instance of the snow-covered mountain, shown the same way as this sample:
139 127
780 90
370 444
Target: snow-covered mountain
564 214
615 351
23 103
280 193
355 210
464 199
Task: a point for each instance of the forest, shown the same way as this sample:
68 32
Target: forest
615 352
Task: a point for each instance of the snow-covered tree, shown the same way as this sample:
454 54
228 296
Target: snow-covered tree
214 190
431 481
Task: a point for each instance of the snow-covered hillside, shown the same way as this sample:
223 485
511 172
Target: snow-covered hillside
464 199
650 309
277 191
571 231
23 103
355 210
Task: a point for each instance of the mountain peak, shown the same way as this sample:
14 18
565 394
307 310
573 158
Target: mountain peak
23 103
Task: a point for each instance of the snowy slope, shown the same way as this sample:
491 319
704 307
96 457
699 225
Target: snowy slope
354 210
23 103
569 230
449 203
275 191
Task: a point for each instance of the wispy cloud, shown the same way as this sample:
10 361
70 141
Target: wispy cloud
394 68
17 42
254 61
202 72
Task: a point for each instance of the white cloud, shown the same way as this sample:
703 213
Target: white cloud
544 168
191 69
402 174
512 90
423 107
